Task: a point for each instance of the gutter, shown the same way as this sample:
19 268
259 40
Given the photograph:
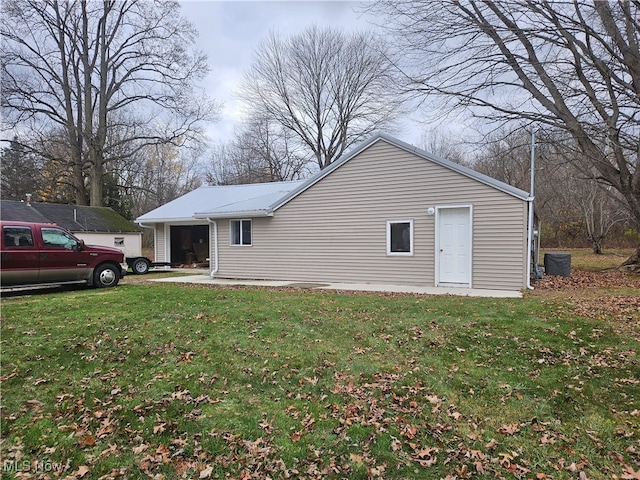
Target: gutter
234 214
145 226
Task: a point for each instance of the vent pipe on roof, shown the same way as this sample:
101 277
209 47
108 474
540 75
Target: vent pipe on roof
75 215
28 195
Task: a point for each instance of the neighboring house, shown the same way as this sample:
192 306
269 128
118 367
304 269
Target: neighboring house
385 213
94 225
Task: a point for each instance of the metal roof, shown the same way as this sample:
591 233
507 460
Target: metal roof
262 199
221 201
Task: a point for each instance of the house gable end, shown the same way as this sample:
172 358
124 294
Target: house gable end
381 137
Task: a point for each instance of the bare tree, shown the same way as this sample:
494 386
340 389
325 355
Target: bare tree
569 65
157 175
445 145
261 151
573 207
600 211
280 156
83 67
329 88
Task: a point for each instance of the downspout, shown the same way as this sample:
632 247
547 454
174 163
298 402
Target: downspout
214 270
155 242
530 200
529 240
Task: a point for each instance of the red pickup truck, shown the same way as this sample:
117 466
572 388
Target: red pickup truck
45 254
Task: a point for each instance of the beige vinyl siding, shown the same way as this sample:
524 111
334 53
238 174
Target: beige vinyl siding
160 237
336 230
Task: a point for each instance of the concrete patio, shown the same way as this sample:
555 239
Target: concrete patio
338 287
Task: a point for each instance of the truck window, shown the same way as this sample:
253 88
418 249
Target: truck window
17 236
56 238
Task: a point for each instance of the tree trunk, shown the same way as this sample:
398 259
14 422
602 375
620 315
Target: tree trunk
597 247
633 262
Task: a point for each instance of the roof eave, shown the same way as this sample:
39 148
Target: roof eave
147 221
234 214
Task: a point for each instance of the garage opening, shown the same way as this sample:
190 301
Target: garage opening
190 245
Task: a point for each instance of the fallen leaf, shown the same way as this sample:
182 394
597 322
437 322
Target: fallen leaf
206 473
82 471
426 456
396 444
509 429
87 440
140 448
630 474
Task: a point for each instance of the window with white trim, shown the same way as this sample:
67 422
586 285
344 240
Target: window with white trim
240 232
399 237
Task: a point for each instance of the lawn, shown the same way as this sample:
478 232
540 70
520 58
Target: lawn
182 381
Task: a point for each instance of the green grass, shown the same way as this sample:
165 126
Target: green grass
186 381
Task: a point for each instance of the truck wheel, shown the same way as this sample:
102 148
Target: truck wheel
140 266
106 276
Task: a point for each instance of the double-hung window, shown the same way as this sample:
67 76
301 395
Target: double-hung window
400 237
240 231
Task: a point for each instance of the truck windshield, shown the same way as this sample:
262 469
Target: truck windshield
56 238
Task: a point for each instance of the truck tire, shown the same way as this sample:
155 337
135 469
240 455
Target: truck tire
106 275
140 266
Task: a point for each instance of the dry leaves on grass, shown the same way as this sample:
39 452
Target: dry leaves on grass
581 280
622 309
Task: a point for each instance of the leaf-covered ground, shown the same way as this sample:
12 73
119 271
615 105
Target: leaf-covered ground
610 296
174 381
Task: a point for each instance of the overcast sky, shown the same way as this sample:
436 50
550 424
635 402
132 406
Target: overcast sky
231 30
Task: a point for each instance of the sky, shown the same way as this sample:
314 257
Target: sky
230 31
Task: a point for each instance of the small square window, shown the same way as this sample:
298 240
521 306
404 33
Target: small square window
118 241
240 232
400 237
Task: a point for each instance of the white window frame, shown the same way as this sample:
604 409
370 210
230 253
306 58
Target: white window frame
231 227
411 245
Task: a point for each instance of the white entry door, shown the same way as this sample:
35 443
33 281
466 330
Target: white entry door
454 246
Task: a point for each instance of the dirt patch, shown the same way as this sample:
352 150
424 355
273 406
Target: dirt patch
307 285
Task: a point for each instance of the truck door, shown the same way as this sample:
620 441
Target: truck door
20 259
61 258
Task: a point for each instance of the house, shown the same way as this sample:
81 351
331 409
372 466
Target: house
385 213
94 225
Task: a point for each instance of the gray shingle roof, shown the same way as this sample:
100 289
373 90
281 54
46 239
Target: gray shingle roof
74 218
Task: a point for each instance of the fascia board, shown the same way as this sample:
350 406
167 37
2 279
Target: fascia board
234 214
